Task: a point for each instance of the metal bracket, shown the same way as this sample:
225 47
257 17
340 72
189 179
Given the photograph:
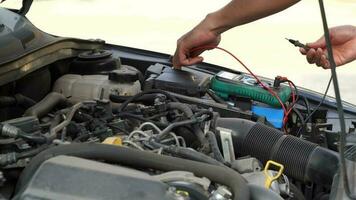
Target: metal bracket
227 144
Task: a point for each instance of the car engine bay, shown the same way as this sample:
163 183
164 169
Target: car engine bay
95 127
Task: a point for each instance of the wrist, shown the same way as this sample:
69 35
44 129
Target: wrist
215 23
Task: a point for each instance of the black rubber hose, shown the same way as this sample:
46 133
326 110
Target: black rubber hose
215 97
306 104
189 113
302 160
46 105
191 155
18 99
214 147
173 125
184 108
145 99
204 112
32 152
24 101
33 138
153 91
139 159
200 135
181 107
11 131
300 116
6 101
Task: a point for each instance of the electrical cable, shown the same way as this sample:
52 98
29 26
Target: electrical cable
306 104
295 98
317 107
299 115
215 97
293 94
118 128
340 109
250 72
173 125
32 152
215 147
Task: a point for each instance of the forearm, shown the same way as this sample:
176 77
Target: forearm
239 12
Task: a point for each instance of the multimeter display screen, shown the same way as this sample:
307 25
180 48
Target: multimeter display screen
227 76
237 79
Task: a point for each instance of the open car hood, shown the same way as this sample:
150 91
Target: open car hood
82 119
26 5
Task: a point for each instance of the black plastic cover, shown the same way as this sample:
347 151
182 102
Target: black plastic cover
179 81
65 177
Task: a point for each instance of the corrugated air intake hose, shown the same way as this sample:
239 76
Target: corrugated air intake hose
302 160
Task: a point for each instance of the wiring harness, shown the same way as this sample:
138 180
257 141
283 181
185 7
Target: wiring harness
279 79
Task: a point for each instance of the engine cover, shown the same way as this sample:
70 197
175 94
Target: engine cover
65 177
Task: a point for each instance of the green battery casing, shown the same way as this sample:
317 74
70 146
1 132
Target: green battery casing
225 89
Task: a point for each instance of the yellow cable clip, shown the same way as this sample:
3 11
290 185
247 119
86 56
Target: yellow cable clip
270 179
115 140
183 193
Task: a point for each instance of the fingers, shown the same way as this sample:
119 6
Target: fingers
182 58
317 57
197 52
194 60
186 56
320 43
325 62
303 51
176 60
189 61
311 56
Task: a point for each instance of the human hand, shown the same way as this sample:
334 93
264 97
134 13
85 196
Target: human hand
343 40
193 43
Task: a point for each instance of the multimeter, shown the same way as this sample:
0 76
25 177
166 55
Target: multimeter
227 84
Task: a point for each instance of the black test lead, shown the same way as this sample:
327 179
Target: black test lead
298 44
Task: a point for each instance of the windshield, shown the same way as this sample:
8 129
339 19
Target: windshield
157 24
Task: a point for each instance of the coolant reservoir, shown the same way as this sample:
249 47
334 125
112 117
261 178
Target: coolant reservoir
88 87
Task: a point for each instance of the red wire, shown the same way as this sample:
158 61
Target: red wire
293 102
293 93
251 73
